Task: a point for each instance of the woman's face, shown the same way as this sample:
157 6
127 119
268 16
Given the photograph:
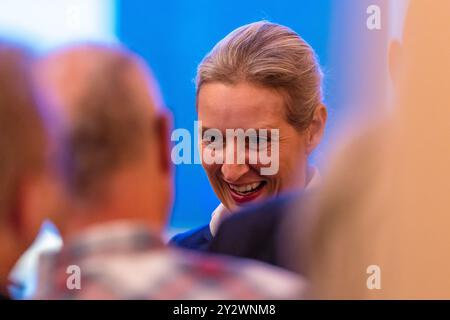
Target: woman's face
247 106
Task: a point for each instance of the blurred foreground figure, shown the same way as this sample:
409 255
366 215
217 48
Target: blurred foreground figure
25 184
119 180
382 229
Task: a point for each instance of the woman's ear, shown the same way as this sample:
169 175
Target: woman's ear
316 128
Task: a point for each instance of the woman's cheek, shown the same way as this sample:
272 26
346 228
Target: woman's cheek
211 169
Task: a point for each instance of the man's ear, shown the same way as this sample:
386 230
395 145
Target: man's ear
25 216
316 128
164 124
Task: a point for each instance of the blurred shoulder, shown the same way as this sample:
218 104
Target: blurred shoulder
236 278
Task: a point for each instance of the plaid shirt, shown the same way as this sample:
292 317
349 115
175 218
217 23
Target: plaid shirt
123 261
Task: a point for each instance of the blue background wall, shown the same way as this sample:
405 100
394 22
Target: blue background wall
173 36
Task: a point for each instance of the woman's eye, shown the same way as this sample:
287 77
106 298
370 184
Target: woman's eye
256 143
212 141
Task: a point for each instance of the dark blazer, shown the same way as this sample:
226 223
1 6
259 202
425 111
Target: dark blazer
196 239
255 232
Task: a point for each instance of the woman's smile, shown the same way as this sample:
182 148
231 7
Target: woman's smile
242 193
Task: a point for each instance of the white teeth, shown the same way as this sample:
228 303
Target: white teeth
245 188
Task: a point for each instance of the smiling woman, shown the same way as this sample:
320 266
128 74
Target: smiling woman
261 76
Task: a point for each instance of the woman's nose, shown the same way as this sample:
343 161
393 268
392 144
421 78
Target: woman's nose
232 172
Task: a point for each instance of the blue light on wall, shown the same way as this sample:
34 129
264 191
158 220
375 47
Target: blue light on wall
46 24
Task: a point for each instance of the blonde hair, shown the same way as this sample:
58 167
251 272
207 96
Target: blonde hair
273 56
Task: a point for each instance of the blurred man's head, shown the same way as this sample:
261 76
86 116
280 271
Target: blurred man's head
24 179
116 155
